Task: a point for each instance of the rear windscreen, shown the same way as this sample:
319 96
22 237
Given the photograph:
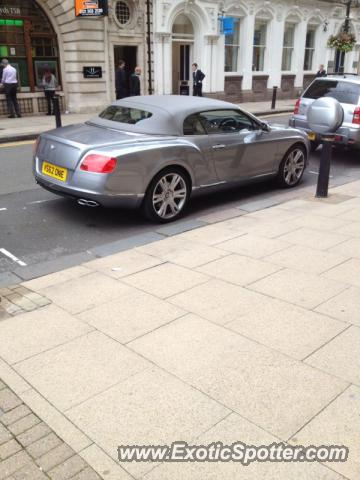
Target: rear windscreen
127 115
343 92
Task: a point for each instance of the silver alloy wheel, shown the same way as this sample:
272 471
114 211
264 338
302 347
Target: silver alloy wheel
294 166
169 195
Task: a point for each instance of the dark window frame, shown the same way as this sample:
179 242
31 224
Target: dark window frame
253 123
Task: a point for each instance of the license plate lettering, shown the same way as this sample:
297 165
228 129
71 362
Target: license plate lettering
54 171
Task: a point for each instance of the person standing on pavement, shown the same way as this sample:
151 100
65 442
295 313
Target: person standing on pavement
321 72
10 82
50 84
120 81
198 77
135 85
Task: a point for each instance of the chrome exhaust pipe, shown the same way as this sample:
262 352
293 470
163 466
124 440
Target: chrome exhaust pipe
87 203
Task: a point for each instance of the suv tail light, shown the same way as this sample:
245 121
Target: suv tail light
297 106
356 118
96 163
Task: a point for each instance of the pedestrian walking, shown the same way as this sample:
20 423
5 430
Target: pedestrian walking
321 72
121 81
135 84
49 84
198 77
10 82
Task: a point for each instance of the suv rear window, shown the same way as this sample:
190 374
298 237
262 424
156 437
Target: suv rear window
127 115
343 92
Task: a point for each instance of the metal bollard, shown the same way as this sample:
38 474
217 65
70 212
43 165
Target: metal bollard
57 113
324 170
274 95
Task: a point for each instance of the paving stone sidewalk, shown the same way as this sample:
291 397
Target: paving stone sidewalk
246 329
30 450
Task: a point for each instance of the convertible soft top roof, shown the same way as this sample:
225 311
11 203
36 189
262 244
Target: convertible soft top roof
168 113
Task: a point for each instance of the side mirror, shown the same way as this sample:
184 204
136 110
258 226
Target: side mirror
265 127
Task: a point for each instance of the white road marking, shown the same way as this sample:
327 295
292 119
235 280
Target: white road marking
3 209
12 257
40 201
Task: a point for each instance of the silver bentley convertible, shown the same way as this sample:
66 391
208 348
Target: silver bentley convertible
154 152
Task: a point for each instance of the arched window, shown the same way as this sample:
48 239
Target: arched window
29 42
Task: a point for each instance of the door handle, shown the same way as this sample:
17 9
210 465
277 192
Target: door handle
218 147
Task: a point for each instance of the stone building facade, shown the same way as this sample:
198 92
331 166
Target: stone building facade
37 34
247 47
244 47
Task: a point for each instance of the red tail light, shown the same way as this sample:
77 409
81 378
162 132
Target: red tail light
297 106
97 163
356 118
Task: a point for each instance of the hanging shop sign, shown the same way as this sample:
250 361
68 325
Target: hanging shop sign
90 8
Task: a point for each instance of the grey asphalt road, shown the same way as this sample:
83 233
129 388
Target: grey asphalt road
38 227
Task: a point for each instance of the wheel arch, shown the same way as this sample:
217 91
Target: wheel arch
163 168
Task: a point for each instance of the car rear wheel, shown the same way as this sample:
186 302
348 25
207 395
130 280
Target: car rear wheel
167 196
292 167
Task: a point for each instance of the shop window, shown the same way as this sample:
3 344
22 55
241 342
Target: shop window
288 47
28 40
259 47
231 26
309 48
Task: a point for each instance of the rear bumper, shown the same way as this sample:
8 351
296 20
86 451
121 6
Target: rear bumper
344 135
118 200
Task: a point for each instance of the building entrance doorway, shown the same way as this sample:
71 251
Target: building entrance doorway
182 46
129 55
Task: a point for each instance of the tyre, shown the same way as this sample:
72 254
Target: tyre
314 145
292 167
167 195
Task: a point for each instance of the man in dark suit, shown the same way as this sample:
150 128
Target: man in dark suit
198 77
321 72
135 87
120 81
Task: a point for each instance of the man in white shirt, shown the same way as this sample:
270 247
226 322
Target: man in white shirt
10 82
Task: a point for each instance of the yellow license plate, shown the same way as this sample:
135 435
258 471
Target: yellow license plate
311 136
54 171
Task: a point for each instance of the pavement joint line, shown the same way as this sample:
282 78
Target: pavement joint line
320 411
198 389
15 364
348 287
158 327
349 325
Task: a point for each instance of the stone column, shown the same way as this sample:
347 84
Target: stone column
274 47
246 50
299 52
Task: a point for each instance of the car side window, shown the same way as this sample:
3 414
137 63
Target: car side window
226 121
193 126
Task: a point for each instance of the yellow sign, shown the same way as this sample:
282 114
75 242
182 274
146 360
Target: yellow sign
54 171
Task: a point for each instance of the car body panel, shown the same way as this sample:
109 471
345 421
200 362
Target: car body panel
140 156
